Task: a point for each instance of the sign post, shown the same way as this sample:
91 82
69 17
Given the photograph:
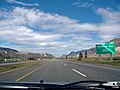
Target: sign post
100 56
111 56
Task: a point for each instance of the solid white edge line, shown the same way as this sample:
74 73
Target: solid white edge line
79 73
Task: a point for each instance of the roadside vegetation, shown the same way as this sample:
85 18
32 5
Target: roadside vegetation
115 61
5 68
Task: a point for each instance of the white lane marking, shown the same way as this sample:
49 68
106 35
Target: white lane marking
96 66
65 64
79 73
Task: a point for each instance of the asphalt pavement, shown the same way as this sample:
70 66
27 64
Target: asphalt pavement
62 71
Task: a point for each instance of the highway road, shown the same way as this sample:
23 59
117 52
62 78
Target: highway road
62 71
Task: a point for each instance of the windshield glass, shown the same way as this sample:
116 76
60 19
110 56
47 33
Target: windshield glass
59 40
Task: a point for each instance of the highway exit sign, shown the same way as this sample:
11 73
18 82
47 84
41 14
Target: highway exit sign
107 48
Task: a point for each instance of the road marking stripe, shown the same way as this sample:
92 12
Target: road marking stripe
65 64
79 73
20 78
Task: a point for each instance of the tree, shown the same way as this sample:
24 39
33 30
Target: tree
85 54
80 56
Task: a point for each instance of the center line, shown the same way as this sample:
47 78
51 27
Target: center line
65 64
29 73
79 73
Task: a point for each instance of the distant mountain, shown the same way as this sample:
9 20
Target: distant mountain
35 55
116 41
91 51
49 55
9 53
71 53
8 49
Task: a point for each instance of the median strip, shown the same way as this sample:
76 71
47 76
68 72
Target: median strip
11 68
20 78
79 73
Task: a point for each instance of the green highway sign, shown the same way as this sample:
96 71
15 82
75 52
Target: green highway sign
107 48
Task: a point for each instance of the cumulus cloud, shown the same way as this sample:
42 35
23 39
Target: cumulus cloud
109 16
24 35
21 3
53 31
109 28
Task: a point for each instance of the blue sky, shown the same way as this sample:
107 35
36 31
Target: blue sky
58 26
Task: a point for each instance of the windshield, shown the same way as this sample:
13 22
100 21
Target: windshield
59 40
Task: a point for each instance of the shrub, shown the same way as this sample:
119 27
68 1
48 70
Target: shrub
116 58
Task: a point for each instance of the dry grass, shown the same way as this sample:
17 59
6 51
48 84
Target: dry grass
15 66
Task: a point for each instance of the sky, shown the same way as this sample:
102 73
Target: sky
58 26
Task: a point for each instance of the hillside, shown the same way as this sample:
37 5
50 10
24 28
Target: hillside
9 53
91 51
117 42
35 55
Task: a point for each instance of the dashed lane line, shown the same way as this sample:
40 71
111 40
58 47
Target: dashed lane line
79 72
65 65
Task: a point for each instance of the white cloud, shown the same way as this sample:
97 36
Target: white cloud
109 28
83 4
21 3
109 16
24 35
84 27
51 44
20 24
33 17
107 37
